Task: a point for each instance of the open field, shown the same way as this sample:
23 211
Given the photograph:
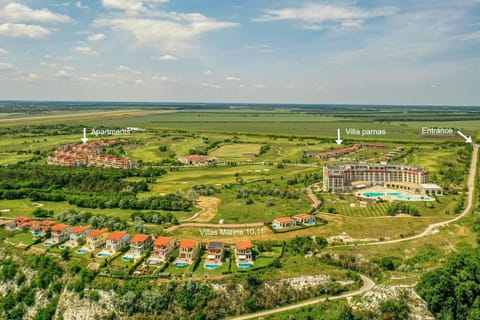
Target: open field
236 150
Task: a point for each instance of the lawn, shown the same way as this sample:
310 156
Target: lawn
237 150
22 237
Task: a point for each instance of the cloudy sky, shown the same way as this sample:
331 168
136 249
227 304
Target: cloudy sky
291 51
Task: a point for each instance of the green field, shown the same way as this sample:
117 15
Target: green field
236 150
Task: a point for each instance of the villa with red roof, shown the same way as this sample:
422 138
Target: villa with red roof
47 224
78 233
243 252
116 240
163 246
139 244
96 238
305 218
198 160
60 232
285 222
189 250
215 253
22 222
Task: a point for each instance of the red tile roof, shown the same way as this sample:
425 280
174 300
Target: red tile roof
304 216
188 243
285 220
97 233
117 235
162 241
48 223
244 244
140 238
60 227
80 229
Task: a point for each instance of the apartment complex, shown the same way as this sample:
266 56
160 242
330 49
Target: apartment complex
89 155
347 177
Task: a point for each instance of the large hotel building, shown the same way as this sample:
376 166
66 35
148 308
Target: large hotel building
348 177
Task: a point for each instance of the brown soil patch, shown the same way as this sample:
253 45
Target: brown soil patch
210 206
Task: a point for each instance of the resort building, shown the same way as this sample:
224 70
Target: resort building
285 222
139 244
96 238
23 222
8 224
78 233
116 240
215 253
304 218
163 246
89 154
197 160
348 177
342 152
189 250
243 253
60 232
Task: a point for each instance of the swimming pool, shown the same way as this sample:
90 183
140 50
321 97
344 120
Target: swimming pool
310 223
63 247
49 244
181 264
102 255
244 265
211 266
82 251
396 195
274 226
154 261
37 233
127 259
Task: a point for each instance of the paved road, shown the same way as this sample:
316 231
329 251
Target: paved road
368 285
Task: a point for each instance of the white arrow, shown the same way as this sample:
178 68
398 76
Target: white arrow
467 139
84 139
339 141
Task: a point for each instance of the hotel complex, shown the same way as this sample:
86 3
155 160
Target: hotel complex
348 177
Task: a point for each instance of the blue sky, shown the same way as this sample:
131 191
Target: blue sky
366 52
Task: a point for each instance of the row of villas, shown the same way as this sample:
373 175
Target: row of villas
298 219
89 154
342 152
112 242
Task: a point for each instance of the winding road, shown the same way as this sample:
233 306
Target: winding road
368 285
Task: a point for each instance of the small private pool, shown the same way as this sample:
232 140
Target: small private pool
212 266
49 244
82 251
396 196
244 265
182 264
128 259
37 234
310 223
63 247
154 261
102 255
274 226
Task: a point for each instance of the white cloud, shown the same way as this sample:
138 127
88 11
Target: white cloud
63 74
161 78
97 37
85 51
32 77
132 6
16 12
208 72
79 5
170 31
258 86
6 67
139 82
85 79
318 16
231 78
166 57
211 85
3 51
123 68
20 30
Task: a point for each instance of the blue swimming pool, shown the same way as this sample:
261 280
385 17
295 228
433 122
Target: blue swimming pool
37 233
244 265
275 226
396 195
310 223
82 251
49 244
127 259
212 266
102 255
63 247
154 261
181 264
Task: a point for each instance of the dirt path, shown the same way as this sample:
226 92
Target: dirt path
368 285
216 225
312 196
209 206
